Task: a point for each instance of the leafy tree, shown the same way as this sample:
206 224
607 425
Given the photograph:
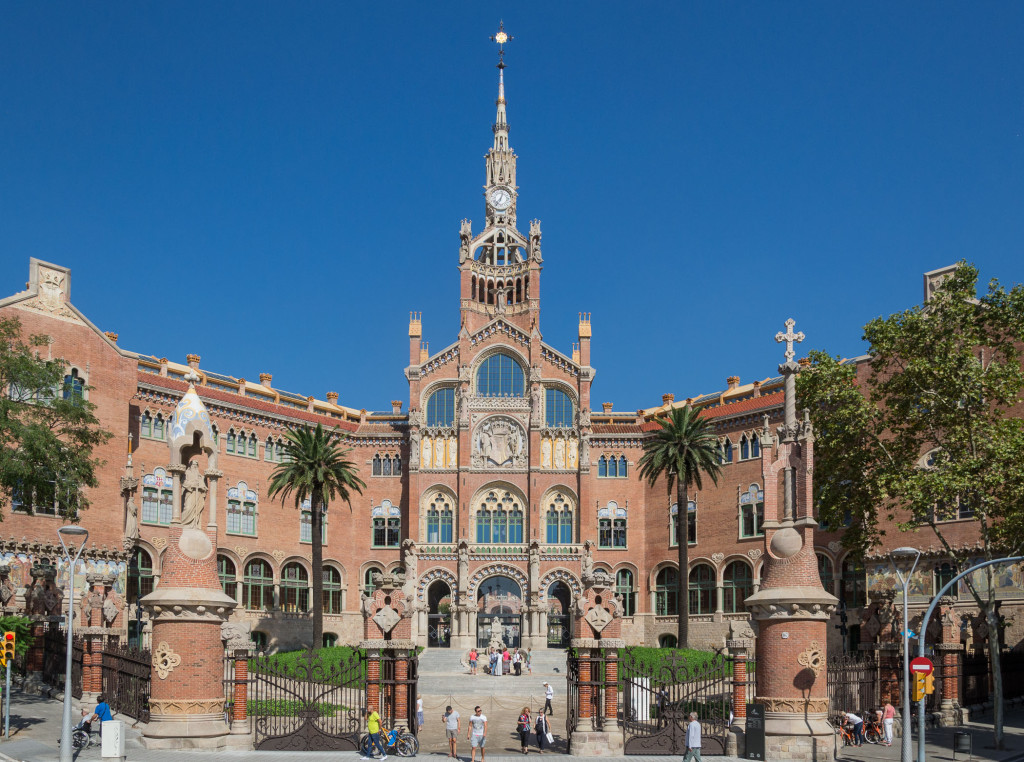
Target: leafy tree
928 430
48 430
682 451
21 626
315 468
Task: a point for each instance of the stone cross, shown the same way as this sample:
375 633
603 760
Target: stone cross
789 337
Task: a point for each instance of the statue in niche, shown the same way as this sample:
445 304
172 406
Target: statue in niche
559 453
588 560
574 447
195 496
545 453
463 565
534 565
428 452
131 524
452 452
414 451
465 234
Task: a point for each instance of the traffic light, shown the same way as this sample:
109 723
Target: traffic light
917 689
8 646
929 683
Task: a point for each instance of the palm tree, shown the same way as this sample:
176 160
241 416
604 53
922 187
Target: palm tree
315 468
683 450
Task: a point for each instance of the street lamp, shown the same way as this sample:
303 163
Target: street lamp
69 534
904 561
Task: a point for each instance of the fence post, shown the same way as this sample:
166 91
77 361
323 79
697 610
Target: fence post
611 689
735 742
240 694
373 679
586 690
401 689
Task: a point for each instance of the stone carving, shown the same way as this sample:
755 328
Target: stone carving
111 608
465 235
279 556
572 457
179 706
242 552
545 453
159 542
386 619
131 524
717 558
463 565
754 554
835 546
740 630
194 488
165 660
52 297
236 634
794 705
812 658
588 560
427 458
534 565
559 453
453 452
499 442
414 451
598 618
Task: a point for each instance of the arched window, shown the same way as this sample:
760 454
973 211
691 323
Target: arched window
611 526
500 376
738 584
755 446
226 574
441 407
386 466
294 588
558 409
147 425
330 640
744 447
157 498
306 524
602 466
258 586
691 524
667 641
624 589
377 468
368 584
702 589
725 451
666 592
499 519
396 466
439 519
622 467
241 510
332 590
560 520
252 445
74 388
140 575
231 441
826 572
387 525
853 584
268 450
158 426
752 512
279 451
943 574
613 467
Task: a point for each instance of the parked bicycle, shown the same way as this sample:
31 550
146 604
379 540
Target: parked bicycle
873 731
395 741
844 732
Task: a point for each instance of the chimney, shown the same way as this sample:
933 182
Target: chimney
733 382
585 334
265 379
667 399
757 388
111 335
639 417
362 416
241 386
332 398
309 404
415 334
805 362
163 366
424 352
607 406
396 407
193 361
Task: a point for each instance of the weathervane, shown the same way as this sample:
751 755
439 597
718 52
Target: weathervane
501 38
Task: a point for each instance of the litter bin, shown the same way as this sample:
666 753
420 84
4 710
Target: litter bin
962 742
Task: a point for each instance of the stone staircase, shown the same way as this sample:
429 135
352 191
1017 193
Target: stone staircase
451 661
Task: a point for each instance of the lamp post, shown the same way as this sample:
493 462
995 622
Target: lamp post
904 561
69 534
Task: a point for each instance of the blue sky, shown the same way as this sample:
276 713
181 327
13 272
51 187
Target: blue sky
274 186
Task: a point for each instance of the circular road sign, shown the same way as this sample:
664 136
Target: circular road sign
923 665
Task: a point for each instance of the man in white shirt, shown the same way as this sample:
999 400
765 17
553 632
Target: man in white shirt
477 734
549 693
693 739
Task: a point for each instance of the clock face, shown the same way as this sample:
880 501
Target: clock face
500 198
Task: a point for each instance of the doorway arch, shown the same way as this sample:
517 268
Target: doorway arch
439 614
559 616
499 603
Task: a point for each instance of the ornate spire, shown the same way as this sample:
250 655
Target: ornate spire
501 160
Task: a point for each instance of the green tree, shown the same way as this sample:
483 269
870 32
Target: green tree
48 429
927 431
315 468
681 451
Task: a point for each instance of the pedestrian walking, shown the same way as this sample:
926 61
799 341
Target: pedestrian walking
419 712
472 661
529 661
549 693
523 726
477 735
373 729
452 726
543 730
888 716
693 739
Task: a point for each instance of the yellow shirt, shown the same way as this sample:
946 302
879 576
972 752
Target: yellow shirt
373 723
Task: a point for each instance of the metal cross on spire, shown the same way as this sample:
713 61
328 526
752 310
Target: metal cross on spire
501 38
789 337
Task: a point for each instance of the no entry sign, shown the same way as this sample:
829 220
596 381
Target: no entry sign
922 665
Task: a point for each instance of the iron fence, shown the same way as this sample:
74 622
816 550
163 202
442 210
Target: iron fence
852 684
126 680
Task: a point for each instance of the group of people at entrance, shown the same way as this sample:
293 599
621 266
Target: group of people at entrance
502 662
477 732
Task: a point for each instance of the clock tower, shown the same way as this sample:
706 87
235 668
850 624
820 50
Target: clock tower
500 267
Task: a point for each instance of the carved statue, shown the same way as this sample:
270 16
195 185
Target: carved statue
560 453
463 408
131 523
463 565
534 565
535 403
195 496
414 451
588 559
411 558
428 452
574 452
465 235
545 453
452 452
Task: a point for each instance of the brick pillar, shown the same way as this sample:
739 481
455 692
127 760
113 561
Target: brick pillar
585 690
402 714
373 679
947 651
739 684
611 689
240 694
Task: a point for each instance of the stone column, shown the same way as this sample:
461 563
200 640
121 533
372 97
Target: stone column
947 652
240 695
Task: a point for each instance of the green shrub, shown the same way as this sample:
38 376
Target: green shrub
21 626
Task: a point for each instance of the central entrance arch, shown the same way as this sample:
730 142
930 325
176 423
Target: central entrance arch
499 604
559 620
439 617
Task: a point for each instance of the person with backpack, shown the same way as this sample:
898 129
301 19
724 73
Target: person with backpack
543 729
523 726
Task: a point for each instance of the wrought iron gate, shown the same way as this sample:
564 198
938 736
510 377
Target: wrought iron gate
657 700
397 691
311 704
591 689
852 684
126 680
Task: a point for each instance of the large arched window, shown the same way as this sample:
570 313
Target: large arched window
624 589
387 525
558 409
738 584
439 519
500 376
666 592
441 407
294 588
499 518
332 590
702 589
226 574
560 519
826 572
258 586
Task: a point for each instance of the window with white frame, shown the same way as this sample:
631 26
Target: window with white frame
306 524
752 512
387 525
750 447
157 498
611 526
241 512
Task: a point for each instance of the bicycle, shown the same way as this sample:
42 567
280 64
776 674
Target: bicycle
873 731
404 744
845 733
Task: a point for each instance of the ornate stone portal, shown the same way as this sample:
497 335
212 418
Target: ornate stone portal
189 607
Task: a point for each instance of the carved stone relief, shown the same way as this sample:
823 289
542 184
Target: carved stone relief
165 660
499 441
